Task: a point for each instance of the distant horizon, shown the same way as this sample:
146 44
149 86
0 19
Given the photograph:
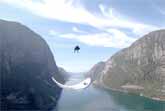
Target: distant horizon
99 27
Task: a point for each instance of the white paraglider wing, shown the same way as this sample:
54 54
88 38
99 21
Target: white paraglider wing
83 84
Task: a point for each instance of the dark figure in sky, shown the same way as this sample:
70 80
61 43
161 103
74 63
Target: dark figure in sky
76 49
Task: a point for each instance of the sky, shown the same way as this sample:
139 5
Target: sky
99 27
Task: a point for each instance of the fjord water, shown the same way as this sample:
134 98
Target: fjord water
96 99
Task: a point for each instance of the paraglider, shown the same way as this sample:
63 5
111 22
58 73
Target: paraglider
76 49
81 85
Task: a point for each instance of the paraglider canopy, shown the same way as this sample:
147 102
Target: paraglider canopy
76 49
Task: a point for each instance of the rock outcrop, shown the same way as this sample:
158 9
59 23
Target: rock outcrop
96 71
139 68
26 68
64 73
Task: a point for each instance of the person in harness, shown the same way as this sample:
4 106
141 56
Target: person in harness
76 49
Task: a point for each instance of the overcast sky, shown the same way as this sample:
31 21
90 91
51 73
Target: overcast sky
99 27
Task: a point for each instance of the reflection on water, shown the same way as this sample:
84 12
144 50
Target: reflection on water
95 99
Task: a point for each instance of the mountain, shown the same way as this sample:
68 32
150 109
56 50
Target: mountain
96 71
139 68
64 73
26 68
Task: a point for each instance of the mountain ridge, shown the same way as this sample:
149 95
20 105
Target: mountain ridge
139 68
26 68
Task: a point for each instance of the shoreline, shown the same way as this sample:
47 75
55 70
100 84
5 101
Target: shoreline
126 91
152 98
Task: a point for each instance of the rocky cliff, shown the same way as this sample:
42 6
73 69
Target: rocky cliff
139 68
96 71
26 67
64 73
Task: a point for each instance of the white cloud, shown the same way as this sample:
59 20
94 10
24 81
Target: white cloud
161 11
68 11
107 13
52 32
117 20
157 6
75 29
112 38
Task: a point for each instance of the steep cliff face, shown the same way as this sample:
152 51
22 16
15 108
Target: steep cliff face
139 68
96 71
64 73
26 67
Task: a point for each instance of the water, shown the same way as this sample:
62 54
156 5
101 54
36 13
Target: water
95 99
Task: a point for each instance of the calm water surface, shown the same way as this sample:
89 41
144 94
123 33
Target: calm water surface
95 99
